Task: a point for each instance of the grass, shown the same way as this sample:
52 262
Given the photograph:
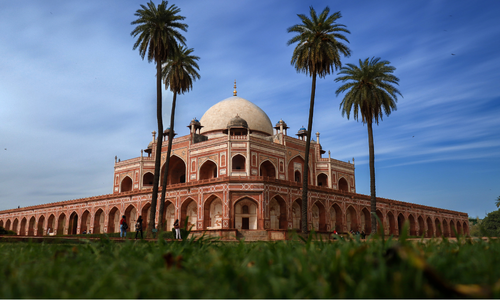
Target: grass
206 268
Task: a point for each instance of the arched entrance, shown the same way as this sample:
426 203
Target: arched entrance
465 229
392 223
322 180
22 230
14 225
61 224
459 228
114 220
277 213
7 225
40 226
126 184
146 213
147 180
208 170
73 223
85 224
343 186
267 169
296 214
366 221
212 213
189 209
380 222
453 229
318 217
438 227
177 171
421 226
31 227
401 222
336 218
51 224
245 211
351 219
413 226
131 217
238 163
430 228
446 229
169 215
99 221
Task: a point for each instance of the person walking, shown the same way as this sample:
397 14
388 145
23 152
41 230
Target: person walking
138 227
123 227
177 229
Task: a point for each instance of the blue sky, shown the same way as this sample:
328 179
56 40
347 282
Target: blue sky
74 94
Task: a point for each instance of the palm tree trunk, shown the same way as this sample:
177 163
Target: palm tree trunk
156 179
305 176
167 164
373 200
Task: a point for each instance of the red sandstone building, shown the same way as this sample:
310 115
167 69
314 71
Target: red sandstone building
235 173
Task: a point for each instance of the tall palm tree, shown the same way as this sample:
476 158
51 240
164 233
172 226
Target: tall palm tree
178 73
371 93
158 35
317 53
497 202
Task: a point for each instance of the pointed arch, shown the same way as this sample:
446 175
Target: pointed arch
169 215
459 228
267 169
336 218
343 185
61 224
446 229
246 213
453 229
146 213
296 213
465 228
51 224
277 213
40 226
437 224
318 217
413 225
238 163
212 213
147 179
176 172
85 223
131 217
296 169
430 228
401 222
208 170
421 226
392 223
126 184
22 230
7 224
381 224
32 226
322 180
189 208
99 221
73 223
366 223
113 220
351 219
15 223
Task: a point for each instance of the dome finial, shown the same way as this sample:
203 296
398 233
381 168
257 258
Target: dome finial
234 92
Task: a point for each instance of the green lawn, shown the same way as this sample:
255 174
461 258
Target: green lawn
376 268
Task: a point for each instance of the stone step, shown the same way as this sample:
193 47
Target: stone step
253 235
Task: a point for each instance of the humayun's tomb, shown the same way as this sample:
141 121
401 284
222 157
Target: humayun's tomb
235 173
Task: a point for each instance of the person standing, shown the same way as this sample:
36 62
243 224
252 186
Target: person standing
177 229
123 227
138 227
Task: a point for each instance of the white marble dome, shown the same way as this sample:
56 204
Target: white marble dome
217 117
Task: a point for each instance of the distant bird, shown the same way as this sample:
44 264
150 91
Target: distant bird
413 136
453 54
5 148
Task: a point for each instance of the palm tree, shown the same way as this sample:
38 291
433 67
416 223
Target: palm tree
497 202
157 34
179 72
317 53
370 93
